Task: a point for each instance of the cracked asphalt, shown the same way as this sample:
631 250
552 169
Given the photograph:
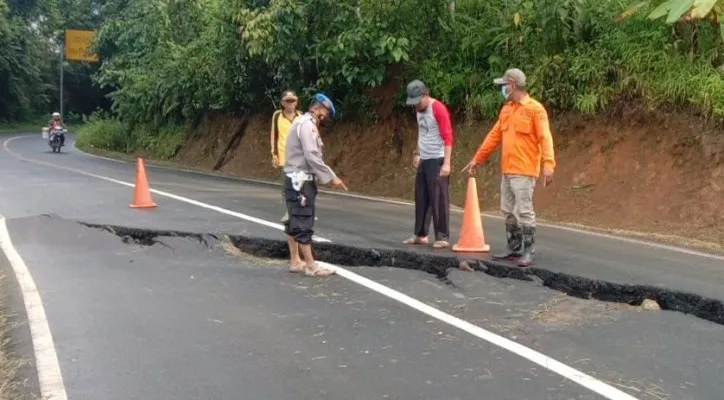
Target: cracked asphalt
191 321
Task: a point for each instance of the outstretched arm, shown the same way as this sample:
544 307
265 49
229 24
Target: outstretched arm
490 144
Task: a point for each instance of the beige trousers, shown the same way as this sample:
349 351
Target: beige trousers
516 199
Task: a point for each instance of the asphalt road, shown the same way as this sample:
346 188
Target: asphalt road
348 220
185 320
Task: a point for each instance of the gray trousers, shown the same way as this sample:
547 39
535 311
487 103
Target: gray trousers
516 199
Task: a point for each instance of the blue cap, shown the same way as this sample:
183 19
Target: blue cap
326 101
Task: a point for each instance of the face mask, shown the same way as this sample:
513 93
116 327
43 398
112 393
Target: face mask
505 91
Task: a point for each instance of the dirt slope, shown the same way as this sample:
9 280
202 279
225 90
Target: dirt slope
630 170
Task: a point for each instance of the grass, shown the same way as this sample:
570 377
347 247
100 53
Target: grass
11 386
109 133
6 129
31 127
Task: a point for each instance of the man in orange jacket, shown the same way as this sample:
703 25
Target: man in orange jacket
524 132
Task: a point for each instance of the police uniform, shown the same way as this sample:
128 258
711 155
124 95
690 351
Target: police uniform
304 167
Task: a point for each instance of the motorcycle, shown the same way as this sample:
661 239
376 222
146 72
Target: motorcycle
54 141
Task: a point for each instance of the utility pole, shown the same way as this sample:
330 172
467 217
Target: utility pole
62 59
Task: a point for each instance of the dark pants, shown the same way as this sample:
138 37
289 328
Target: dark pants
432 199
300 224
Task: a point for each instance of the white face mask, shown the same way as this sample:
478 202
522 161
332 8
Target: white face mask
506 92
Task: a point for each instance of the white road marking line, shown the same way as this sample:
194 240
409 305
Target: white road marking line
458 210
162 193
544 361
46 360
259 181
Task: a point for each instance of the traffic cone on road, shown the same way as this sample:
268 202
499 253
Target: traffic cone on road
142 197
472 238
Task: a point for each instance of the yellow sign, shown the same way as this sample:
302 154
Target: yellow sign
78 45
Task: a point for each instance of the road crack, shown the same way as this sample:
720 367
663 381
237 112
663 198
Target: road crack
438 265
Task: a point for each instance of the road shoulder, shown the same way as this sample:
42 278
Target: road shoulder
18 373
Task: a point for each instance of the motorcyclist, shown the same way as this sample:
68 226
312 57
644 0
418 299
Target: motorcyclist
56 122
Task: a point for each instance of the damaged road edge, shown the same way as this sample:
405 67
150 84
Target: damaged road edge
349 256
147 237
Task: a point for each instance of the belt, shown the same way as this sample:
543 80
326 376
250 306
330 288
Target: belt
298 178
300 175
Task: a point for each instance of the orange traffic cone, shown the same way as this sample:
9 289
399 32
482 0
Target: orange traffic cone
472 238
142 197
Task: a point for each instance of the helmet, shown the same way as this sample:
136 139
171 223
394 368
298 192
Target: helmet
56 115
327 102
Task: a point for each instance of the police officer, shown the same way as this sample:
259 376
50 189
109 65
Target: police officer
305 167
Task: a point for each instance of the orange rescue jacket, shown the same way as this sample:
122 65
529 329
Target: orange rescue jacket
524 131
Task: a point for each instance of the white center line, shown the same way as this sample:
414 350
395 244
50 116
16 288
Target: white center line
553 365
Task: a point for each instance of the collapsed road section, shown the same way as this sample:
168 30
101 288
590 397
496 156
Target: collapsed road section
438 265
117 300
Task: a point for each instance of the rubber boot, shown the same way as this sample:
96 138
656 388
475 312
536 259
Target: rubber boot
515 242
528 246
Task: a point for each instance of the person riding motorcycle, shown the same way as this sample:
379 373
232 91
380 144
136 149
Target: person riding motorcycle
56 122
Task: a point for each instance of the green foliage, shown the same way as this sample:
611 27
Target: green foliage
162 142
577 57
167 63
30 37
344 47
104 131
237 55
680 10
164 67
30 125
21 75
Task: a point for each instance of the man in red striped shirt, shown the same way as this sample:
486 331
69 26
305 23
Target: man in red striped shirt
432 159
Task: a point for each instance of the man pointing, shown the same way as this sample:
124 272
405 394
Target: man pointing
524 132
305 167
